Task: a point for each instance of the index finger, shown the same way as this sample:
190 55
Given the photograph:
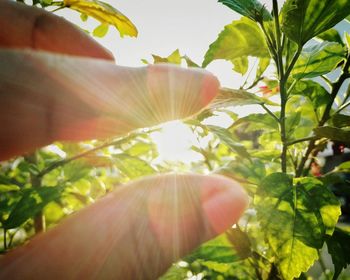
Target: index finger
40 30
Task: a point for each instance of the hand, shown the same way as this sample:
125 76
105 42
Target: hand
138 231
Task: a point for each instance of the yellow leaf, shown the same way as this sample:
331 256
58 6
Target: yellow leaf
104 13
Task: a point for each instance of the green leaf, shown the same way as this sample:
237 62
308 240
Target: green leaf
318 60
240 38
190 62
240 65
333 133
101 30
331 35
219 249
83 17
292 122
236 97
340 120
226 137
8 188
174 58
249 8
316 93
295 217
254 122
31 203
263 64
104 13
132 167
305 19
339 247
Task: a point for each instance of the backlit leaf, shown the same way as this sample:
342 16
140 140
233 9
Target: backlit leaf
8 188
240 65
101 30
240 38
339 247
318 60
104 13
333 133
31 203
252 9
295 217
331 35
305 19
132 167
236 97
226 137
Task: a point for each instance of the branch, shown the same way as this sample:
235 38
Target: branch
301 140
269 112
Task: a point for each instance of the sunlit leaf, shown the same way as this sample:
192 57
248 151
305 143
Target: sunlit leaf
101 30
339 247
318 60
174 58
295 217
31 203
219 249
252 9
305 19
132 167
240 38
104 13
331 35
236 97
8 188
316 93
240 65
226 137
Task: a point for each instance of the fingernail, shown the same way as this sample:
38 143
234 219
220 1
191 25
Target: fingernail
223 203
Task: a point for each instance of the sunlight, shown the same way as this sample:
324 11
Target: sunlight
174 142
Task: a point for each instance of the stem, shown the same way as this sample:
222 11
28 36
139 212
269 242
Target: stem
35 180
301 140
278 39
269 112
342 107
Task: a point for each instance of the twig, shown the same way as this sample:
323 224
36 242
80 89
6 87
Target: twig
269 112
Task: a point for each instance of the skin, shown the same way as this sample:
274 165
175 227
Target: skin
52 88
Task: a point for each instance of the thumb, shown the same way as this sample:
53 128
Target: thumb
134 233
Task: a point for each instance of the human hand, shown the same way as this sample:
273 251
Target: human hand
133 233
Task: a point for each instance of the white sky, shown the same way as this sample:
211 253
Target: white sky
164 25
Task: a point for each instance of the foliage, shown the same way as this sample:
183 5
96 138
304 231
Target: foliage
273 153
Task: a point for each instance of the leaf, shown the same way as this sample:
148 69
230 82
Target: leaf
218 249
190 62
254 122
305 19
340 120
101 30
174 58
236 97
31 203
263 64
331 35
226 137
339 247
318 60
132 167
8 188
240 38
104 13
295 217
249 8
333 133
316 93
240 65
292 122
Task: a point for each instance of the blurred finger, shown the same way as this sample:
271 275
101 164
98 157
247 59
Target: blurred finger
135 233
23 26
47 97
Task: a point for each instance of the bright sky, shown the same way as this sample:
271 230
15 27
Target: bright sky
164 25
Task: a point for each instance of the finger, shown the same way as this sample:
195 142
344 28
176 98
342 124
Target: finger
136 233
38 29
47 97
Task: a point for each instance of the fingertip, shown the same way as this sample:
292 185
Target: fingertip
223 202
210 88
